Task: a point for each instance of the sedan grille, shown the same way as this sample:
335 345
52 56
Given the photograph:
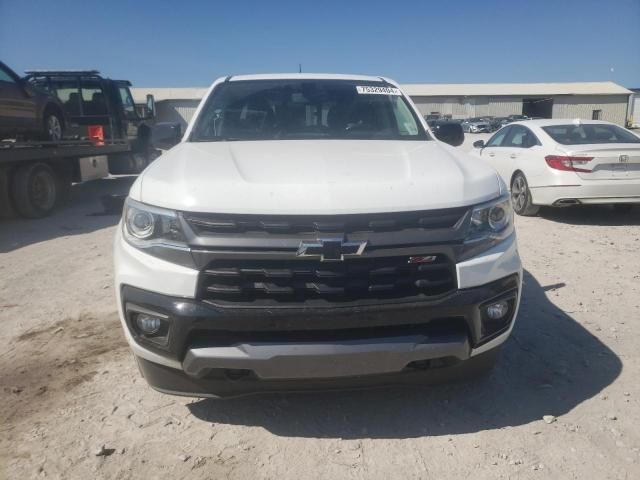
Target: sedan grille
299 281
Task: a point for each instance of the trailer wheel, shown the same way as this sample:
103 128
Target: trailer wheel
34 189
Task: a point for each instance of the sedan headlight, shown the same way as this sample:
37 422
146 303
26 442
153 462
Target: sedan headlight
490 224
156 231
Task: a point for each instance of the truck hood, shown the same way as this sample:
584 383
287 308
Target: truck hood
315 177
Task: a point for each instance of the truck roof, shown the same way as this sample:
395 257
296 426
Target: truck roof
71 73
62 72
308 76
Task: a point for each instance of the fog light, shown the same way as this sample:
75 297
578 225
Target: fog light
148 324
497 310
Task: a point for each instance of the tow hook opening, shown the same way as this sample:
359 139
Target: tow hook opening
432 363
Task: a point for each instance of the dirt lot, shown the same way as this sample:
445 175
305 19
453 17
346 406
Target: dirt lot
70 389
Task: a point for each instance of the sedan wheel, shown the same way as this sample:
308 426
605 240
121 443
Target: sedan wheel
521 197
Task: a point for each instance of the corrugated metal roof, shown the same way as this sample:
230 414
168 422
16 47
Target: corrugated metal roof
517 89
430 90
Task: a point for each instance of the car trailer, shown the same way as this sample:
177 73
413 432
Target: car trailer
35 177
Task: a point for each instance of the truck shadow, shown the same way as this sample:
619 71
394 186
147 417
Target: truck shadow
598 215
550 365
82 213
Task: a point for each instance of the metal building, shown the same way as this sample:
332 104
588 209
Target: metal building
634 108
172 104
585 100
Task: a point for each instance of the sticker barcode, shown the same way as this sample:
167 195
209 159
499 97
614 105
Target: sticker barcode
369 90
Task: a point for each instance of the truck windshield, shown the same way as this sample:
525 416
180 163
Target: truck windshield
306 109
127 103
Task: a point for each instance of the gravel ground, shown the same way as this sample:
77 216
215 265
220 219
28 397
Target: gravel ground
564 401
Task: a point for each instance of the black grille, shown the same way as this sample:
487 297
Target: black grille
211 224
286 281
436 327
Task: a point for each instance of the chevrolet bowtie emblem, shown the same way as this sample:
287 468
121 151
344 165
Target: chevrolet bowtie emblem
330 249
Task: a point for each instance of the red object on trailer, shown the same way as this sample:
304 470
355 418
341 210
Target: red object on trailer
96 134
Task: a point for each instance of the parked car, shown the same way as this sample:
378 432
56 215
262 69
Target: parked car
565 162
276 248
497 123
432 117
516 118
26 111
476 125
434 124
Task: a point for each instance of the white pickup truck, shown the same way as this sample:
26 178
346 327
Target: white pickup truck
310 231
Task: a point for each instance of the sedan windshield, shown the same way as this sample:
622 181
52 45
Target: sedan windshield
306 109
590 133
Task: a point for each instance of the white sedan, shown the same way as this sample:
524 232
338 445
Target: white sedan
565 162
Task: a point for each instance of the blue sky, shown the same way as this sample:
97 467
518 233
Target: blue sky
189 43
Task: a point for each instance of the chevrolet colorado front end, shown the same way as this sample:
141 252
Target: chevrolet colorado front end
310 232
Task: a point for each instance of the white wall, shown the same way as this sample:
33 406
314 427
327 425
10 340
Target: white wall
635 110
465 107
179 111
614 107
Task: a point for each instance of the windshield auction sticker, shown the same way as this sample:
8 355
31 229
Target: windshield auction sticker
368 90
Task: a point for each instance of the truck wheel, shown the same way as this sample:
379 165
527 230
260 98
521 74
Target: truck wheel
521 197
52 126
34 189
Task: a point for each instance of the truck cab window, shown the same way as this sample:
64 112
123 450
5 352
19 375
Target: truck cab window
93 99
67 92
128 105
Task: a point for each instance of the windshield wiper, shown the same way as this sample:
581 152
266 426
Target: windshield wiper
219 139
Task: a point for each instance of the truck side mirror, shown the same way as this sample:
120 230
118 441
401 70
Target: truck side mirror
151 106
478 144
449 132
165 135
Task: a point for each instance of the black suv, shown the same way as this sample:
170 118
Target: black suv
27 111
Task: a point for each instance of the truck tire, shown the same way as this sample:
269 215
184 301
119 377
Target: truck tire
521 197
34 190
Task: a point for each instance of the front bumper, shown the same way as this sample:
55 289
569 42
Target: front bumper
219 384
221 351
234 351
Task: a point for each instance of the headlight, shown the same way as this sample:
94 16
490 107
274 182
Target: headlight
490 224
156 231
140 223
